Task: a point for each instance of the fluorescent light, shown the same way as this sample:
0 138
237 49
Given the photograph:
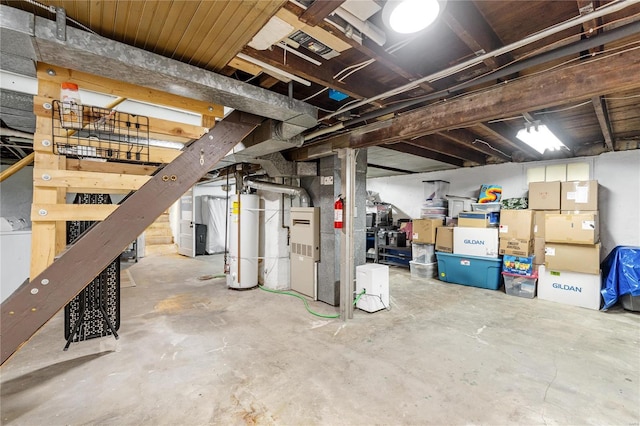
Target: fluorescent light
410 16
539 137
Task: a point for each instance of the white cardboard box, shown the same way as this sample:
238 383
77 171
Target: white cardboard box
475 241
570 288
374 279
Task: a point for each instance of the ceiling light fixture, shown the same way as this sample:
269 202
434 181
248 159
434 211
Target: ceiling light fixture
539 137
410 16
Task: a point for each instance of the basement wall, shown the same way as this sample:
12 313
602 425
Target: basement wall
618 175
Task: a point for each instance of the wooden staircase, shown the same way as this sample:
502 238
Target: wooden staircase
158 237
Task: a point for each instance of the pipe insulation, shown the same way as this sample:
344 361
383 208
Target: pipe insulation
295 191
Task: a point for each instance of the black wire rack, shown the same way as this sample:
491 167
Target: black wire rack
102 134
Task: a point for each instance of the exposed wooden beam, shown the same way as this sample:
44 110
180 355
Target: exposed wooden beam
391 169
606 74
35 302
469 139
88 182
464 19
318 10
448 147
425 153
110 167
602 112
322 75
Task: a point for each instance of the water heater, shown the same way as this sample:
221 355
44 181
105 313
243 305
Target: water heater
243 241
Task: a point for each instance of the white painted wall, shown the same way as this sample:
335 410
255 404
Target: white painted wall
618 175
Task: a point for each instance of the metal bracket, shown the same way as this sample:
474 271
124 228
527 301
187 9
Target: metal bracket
61 24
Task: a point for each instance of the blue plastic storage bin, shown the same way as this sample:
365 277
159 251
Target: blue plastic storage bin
483 272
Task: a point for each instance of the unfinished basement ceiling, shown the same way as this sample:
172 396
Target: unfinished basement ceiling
556 79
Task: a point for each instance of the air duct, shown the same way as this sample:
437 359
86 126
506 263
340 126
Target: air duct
365 27
280 189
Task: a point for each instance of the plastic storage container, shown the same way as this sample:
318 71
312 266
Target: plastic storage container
423 253
474 271
520 285
423 270
459 204
486 207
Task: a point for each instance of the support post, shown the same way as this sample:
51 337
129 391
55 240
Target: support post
348 177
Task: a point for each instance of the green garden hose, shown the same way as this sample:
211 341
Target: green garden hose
306 304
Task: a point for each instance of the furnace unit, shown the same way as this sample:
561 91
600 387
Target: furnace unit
305 250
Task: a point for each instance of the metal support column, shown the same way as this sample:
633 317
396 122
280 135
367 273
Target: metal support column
348 177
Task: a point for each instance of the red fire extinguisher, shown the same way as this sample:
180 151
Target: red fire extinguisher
337 213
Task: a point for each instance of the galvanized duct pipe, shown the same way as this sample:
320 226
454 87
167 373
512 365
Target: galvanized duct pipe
280 189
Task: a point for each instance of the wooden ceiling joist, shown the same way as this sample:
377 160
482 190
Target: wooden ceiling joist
425 153
602 112
571 84
318 10
449 147
470 140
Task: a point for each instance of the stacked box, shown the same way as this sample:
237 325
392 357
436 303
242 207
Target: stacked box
571 271
444 239
424 230
516 232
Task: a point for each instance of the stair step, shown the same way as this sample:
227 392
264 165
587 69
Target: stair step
163 231
159 249
163 218
155 240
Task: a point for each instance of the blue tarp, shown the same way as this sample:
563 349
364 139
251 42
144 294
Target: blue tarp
621 274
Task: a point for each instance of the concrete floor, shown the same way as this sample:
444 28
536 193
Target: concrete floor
192 352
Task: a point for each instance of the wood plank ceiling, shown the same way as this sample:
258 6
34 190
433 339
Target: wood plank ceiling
217 36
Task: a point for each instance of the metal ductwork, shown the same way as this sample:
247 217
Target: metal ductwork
280 189
365 27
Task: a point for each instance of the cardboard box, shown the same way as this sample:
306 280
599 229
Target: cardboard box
444 239
519 265
538 251
579 228
516 247
573 258
544 195
475 241
516 224
538 221
570 288
478 219
579 195
424 230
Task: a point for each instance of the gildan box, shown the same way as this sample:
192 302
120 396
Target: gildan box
579 195
478 219
475 241
424 230
581 228
538 221
538 251
544 195
516 247
516 224
570 288
444 239
572 257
